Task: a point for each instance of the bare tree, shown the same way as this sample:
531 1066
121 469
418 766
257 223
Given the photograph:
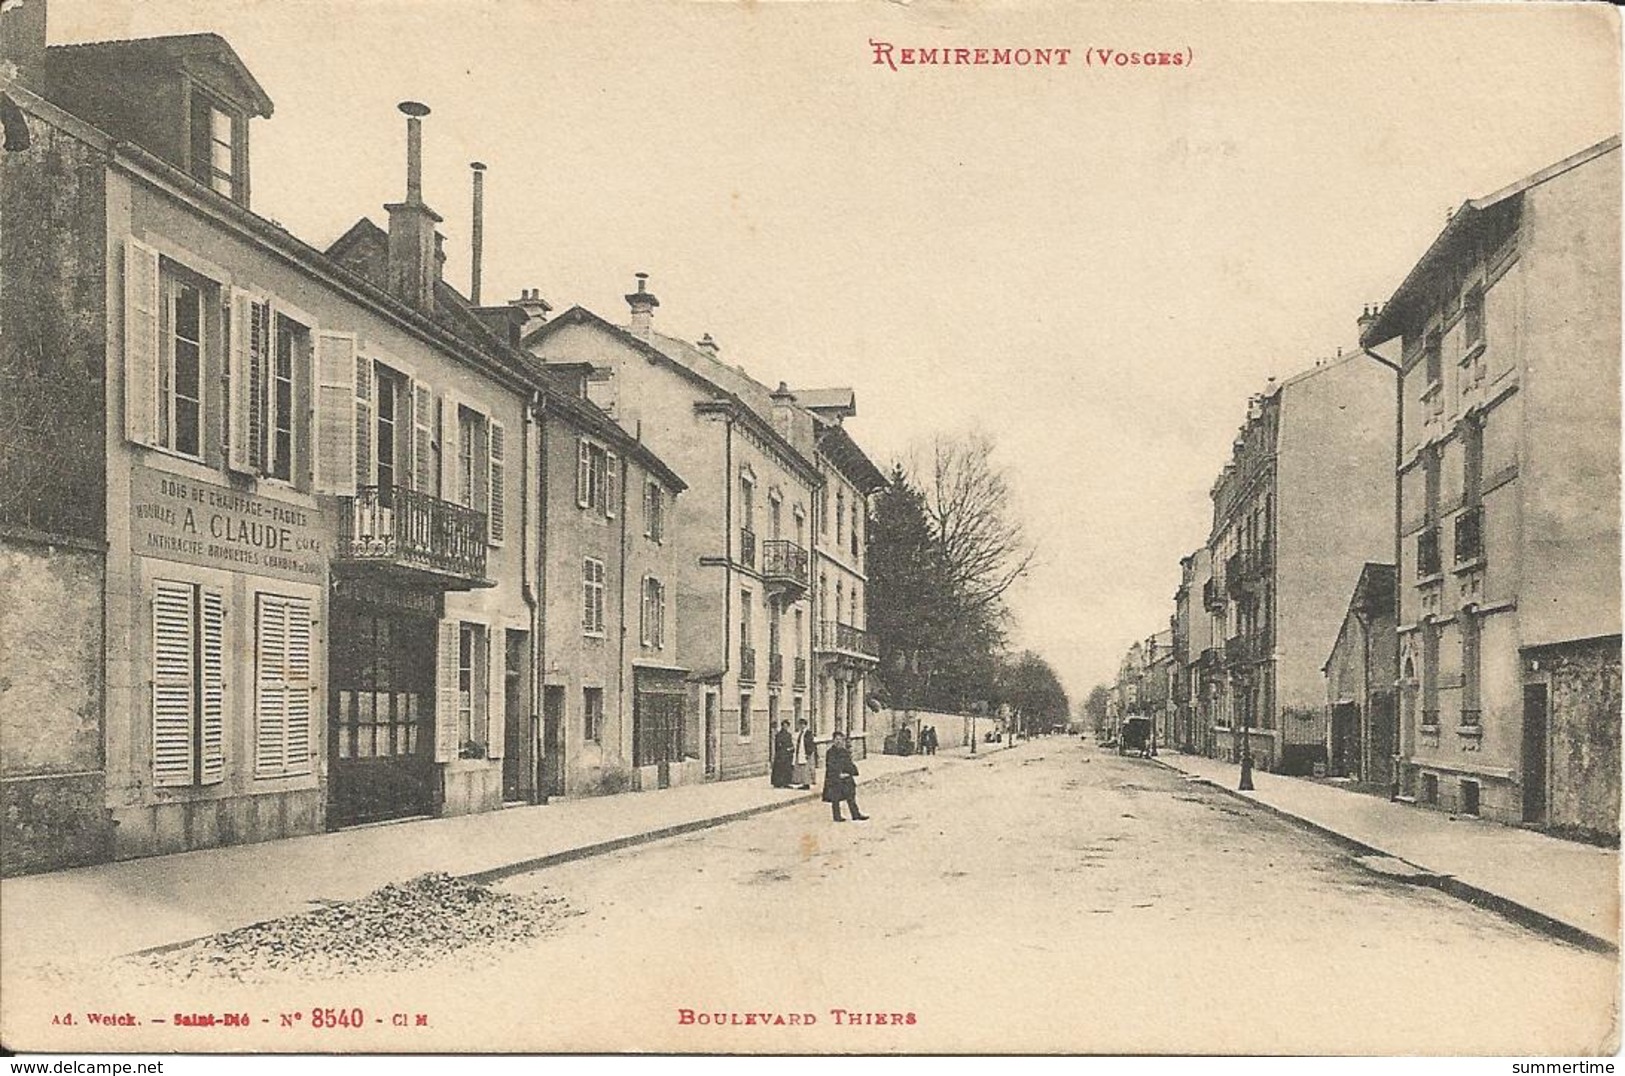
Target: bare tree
968 503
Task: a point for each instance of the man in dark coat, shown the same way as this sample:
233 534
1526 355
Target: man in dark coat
840 779
784 750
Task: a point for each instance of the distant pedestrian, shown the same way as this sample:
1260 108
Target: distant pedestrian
840 779
805 760
905 742
784 749
928 739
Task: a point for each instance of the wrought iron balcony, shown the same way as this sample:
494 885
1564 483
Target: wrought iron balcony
747 664
784 563
747 547
775 668
1213 596
801 672
411 533
838 638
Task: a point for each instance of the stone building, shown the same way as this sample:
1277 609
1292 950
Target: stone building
1360 676
1197 664
268 527
1508 336
1304 503
743 535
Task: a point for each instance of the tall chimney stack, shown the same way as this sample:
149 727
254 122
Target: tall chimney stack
643 305
479 232
414 254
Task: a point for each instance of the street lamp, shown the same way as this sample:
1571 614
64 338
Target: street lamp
1244 677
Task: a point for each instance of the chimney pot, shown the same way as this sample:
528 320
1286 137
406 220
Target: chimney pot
478 237
643 303
414 245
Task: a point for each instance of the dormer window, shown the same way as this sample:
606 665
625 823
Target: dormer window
214 139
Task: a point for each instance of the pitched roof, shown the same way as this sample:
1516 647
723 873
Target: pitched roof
837 446
700 369
172 47
1455 236
842 401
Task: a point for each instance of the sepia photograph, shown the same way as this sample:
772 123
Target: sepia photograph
888 527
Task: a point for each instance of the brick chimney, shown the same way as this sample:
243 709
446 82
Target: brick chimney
535 308
22 41
643 305
415 251
1368 318
784 411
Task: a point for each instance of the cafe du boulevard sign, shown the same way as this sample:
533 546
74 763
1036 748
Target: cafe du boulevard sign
215 526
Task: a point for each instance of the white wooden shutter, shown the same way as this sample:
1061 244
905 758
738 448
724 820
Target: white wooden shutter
363 421
270 688
445 710
496 725
212 686
451 448
583 471
172 684
248 373
141 346
612 484
335 413
424 479
497 529
297 686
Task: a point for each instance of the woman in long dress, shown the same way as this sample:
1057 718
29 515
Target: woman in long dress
806 756
784 748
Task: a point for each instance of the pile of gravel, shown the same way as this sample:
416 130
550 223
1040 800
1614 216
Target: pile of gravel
401 926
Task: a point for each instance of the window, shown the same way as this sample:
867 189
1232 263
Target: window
775 516
823 509
282 731
857 539
472 690
592 596
1469 798
385 454
1471 627
1427 553
180 372
1430 675
592 713
470 475
654 511
1470 535
654 614
188 685
1430 789
292 345
1472 318
597 478
747 637
747 522
840 517
214 145
744 714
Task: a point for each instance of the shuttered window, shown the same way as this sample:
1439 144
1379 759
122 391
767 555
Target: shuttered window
496 470
282 687
592 596
336 413
425 443
188 685
654 614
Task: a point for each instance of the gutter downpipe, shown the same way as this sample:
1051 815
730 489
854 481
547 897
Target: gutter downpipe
539 604
1399 576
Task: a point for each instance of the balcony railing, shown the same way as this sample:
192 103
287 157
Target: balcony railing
801 672
775 668
747 547
844 638
784 561
1213 596
404 528
747 664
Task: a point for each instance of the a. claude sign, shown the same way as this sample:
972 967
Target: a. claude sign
181 519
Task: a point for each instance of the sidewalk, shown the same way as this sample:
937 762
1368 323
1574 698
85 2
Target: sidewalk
92 913
1561 886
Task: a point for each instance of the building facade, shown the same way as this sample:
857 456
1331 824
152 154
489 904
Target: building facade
1196 657
288 497
844 653
1303 505
744 533
1509 647
1360 676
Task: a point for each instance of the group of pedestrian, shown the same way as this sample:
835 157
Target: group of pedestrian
905 741
795 762
928 740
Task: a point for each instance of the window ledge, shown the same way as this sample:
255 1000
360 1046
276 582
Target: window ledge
1473 352
1473 731
1428 730
1468 566
1429 580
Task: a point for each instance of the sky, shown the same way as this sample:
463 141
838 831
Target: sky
1094 265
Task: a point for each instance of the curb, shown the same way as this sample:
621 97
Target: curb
570 855
1448 884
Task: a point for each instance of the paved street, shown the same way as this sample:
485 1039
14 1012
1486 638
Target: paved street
1054 896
